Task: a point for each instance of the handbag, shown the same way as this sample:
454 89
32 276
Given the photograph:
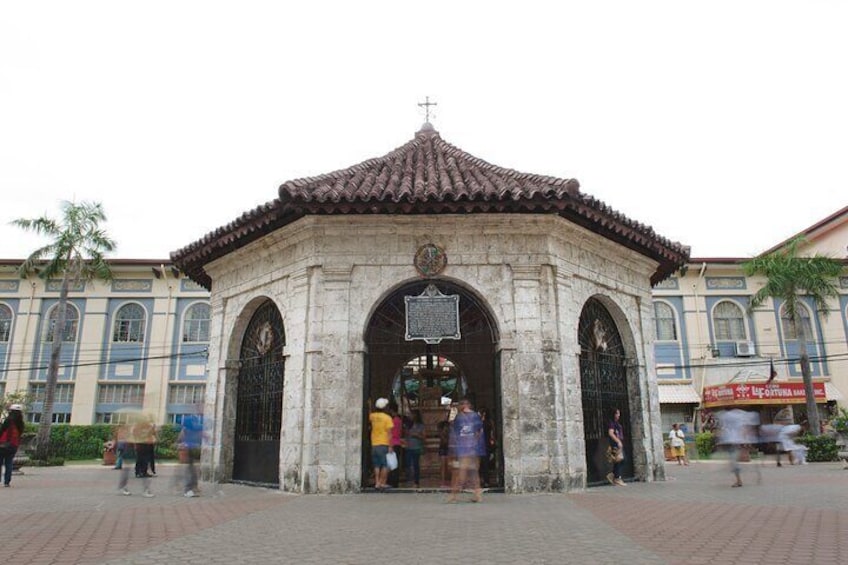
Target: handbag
6 448
391 460
614 455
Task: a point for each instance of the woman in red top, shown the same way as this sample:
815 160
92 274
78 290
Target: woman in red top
10 439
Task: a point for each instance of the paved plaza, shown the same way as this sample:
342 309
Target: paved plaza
73 515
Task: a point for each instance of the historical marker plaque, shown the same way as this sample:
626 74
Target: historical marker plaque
432 316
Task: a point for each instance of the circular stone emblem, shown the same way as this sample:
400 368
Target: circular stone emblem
430 260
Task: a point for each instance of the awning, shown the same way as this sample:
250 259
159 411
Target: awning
678 394
832 393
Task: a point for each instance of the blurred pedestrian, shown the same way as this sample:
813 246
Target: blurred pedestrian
737 428
797 452
10 439
120 441
489 442
144 432
467 445
191 439
131 460
396 444
444 453
414 447
615 450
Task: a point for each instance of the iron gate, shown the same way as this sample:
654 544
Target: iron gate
259 400
603 377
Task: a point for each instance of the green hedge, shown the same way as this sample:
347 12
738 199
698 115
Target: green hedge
820 448
86 442
705 443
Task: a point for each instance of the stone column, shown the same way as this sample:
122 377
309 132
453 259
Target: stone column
533 458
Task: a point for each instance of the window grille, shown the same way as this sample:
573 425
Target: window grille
64 393
729 322
790 328
120 394
5 323
196 323
186 394
666 326
71 322
129 324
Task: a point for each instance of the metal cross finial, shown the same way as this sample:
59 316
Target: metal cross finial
426 105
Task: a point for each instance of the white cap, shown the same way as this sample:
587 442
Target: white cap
381 403
17 407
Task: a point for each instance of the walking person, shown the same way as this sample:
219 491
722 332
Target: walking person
10 439
191 439
489 441
444 453
396 444
120 439
678 444
144 432
414 447
736 429
467 446
381 431
131 460
615 450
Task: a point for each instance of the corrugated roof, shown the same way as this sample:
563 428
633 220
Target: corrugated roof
427 175
678 394
832 393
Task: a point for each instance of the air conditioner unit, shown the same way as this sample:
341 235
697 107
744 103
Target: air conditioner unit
745 349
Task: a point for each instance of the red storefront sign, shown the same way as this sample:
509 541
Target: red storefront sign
759 393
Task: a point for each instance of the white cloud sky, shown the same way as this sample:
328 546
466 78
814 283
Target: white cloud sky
722 124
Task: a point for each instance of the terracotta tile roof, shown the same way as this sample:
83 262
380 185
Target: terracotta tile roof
429 176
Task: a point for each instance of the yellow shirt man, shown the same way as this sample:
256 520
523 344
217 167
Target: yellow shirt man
381 428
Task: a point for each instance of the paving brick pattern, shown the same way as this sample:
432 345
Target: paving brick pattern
73 515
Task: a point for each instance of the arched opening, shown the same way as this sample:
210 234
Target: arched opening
259 398
432 377
603 378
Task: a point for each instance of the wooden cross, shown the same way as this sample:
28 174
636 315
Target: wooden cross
426 105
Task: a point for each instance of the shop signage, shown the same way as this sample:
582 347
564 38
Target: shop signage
759 393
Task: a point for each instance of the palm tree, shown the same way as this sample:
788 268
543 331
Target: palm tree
790 278
74 254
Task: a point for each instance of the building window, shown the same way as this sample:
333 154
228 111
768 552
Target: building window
5 323
120 394
64 393
71 323
113 417
177 419
196 323
666 325
129 324
186 394
729 322
790 329
58 417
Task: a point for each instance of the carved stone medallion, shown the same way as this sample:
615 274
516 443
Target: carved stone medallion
430 260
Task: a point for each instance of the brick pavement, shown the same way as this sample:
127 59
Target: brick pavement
72 515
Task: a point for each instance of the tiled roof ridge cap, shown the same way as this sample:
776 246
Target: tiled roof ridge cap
421 138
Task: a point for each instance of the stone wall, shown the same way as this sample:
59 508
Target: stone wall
328 274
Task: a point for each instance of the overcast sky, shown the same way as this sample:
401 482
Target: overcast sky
722 124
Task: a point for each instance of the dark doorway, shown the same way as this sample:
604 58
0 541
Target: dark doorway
259 400
603 377
432 378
